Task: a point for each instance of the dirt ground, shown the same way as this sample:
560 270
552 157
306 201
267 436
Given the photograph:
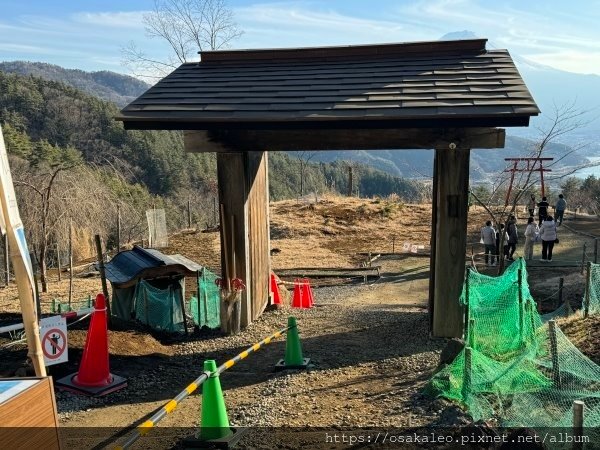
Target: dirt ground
369 344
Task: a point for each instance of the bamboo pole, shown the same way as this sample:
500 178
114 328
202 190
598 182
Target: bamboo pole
100 255
596 251
70 261
554 353
583 257
588 285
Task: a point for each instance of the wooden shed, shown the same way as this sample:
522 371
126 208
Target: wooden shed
450 96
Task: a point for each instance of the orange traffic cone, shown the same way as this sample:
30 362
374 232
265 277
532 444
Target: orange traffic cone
94 377
311 298
275 290
297 298
305 294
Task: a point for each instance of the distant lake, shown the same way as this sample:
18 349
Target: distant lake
586 172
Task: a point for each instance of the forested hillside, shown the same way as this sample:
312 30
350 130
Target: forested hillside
72 160
111 86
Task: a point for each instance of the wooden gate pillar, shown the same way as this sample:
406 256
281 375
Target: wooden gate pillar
448 241
244 198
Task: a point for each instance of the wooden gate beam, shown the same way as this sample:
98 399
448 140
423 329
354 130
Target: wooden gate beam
450 197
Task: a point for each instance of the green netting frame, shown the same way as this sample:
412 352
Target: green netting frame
516 369
160 309
60 306
594 294
205 308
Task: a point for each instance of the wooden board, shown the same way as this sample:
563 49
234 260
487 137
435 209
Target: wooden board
29 419
258 231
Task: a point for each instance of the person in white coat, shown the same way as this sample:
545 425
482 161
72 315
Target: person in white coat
531 232
548 235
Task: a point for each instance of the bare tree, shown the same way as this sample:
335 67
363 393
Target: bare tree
187 27
304 160
565 119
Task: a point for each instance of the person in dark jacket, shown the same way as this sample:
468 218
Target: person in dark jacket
543 209
513 237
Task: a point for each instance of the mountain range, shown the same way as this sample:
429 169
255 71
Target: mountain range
550 87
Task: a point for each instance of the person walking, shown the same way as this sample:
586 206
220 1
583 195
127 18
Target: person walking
488 237
531 205
513 237
531 233
543 209
505 252
559 209
548 235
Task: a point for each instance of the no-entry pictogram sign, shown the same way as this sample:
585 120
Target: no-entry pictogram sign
53 333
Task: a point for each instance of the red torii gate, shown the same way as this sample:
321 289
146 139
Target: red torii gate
530 167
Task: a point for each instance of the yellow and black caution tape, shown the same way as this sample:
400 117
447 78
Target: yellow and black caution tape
143 428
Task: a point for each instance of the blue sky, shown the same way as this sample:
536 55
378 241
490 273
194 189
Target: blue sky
88 34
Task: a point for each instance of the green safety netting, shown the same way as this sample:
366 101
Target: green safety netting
160 309
594 294
516 369
205 307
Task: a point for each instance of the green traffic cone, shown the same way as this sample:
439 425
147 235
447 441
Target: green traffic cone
293 349
214 422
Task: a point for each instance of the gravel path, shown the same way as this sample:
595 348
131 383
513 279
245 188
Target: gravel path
370 353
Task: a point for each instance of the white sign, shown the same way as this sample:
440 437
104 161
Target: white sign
53 332
414 249
406 246
12 221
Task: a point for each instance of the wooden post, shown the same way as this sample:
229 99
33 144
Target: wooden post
182 304
58 262
583 257
561 283
118 228
451 183
471 341
350 182
100 256
6 262
588 285
554 354
393 243
215 211
467 379
595 250
70 261
578 417
189 213
198 272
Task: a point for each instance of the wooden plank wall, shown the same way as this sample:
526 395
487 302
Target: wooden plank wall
233 195
29 420
258 230
451 197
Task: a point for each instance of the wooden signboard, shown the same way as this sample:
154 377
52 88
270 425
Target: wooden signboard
28 414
